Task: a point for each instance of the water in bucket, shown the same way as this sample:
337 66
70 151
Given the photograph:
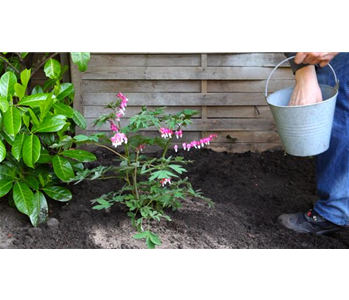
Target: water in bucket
304 130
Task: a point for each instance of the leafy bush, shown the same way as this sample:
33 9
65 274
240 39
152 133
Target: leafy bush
151 184
33 125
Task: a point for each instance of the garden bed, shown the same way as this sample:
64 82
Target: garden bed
249 191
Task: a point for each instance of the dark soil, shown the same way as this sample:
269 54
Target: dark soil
249 191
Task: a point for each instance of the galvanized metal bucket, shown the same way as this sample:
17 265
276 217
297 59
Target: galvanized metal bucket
304 130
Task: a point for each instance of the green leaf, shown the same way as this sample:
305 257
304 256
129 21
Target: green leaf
34 100
62 168
104 204
3 104
161 175
141 235
154 238
40 212
5 186
58 193
45 157
79 119
24 54
20 90
149 243
46 106
7 84
25 77
63 109
26 121
17 146
81 59
32 182
52 69
31 150
177 168
23 198
65 90
6 173
34 118
51 124
12 120
37 90
2 151
79 155
8 138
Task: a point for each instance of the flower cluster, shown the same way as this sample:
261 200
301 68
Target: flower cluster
118 139
179 134
122 107
164 181
199 144
166 133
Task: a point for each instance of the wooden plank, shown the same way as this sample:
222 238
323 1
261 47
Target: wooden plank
257 86
212 125
245 147
246 137
179 99
145 60
141 86
184 73
239 112
245 60
96 111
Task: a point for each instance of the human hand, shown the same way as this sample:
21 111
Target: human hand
306 90
313 58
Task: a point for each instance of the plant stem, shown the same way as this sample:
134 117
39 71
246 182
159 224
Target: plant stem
166 147
111 150
135 178
20 59
8 63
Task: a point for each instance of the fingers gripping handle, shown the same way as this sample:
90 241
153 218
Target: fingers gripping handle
287 59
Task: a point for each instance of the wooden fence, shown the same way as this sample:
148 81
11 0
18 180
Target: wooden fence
226 88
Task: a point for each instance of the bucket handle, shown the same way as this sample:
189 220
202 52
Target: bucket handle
287 59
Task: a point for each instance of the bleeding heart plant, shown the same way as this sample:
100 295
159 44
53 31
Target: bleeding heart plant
150 184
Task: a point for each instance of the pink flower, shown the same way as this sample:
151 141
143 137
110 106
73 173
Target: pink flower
165 132
118 139
179 134
113 127
199 144
175 148
165 180
141 147
122 96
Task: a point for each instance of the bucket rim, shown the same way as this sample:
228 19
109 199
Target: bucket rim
308 105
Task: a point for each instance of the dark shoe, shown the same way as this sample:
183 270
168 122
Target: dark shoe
309 222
